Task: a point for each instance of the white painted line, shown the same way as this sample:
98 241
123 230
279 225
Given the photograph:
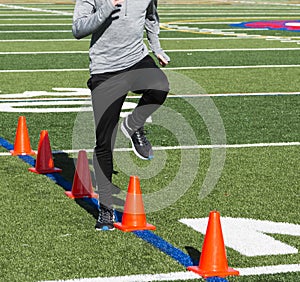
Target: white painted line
36 31
39 24
166 69
45 52
266 3
43 40
231 13
194 147
223 95
4 154
293 24
32 19
234 67
174 276
73 93
169 51
15 7
161 39
45 14
272 269
43 70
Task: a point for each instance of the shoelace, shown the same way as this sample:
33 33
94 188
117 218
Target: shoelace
106 215
141 137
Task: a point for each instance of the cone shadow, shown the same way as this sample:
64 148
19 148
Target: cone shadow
67 164
63 161
194 254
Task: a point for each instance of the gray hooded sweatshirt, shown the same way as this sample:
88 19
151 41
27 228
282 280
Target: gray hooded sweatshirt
117 32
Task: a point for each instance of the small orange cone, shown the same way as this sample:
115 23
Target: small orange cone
82 182
44 162
22 142
213 261
134 217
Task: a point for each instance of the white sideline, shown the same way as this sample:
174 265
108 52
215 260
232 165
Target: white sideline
173 276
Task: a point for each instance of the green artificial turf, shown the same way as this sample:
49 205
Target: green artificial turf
47 236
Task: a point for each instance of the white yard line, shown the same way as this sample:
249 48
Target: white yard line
265 3
186 275
166 69
230 14
169 51
15 7
35 31
161 39
32 19
195 147
39 24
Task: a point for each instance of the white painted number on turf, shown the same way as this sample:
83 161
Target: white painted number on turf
249 236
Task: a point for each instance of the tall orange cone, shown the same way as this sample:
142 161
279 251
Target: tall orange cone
213 261
82 182
44 161
134 217
22 142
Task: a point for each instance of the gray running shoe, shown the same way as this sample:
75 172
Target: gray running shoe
140 144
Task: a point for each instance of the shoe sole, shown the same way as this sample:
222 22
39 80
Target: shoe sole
125 132
104 229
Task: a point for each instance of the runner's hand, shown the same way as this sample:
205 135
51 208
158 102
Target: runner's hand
162 61
117 2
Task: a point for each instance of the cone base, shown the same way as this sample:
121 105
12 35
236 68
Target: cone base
127 228
52 170
74 196
212 273
16 153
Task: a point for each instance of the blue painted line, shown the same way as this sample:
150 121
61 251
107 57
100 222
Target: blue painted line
216 279
146 235
165 247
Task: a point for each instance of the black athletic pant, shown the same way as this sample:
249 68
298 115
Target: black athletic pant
109 91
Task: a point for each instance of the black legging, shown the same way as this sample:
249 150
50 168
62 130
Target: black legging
109 91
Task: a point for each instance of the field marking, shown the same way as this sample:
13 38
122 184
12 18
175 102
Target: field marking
33 19
36 31
173 276
41 24
70 24
72 94
265 3
251 237
231 13
197 147
166 69
161 39
15 7
46 14
175 27
30 101
190 147
169 51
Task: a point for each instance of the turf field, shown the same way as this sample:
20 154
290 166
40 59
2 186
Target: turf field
226 139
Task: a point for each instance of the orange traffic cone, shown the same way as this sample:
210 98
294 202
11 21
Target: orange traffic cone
22 142
213 261
82 182
44 162
134 217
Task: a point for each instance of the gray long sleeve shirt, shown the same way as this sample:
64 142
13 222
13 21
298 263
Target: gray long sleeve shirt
117 32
